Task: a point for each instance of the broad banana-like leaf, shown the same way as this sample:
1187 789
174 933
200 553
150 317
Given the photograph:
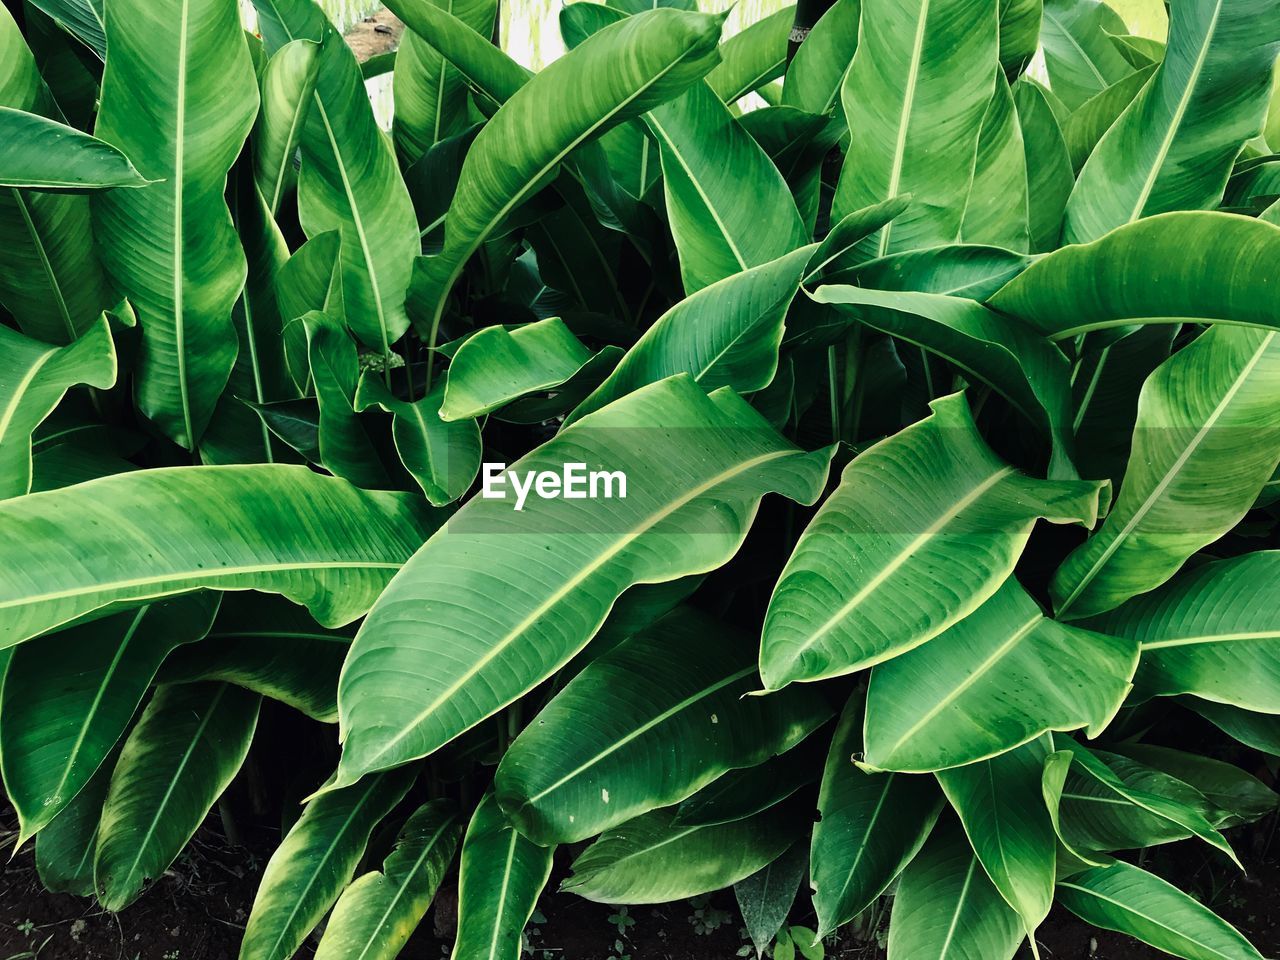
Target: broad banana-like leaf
1211 631
814 78
1001 806
497 365
44 154
1173 147
1080 56
170 247
872 825
954 270
34 377
315 862
617 74
375 916
444 458
430 94
720 186
592 760
1032 374
309 280
1093 118
229 528
1019 33
50 277
696 468
500 877
947 907
652 860
69 697
288 88
1053 785
64 848
935 707
996 209
765 898
81 18
1206 440
743 793
914 99
1194 266
1049 172
270 646
842 240
1258 730
185 750
726 334
753 57
924 527
1239 796
1132 901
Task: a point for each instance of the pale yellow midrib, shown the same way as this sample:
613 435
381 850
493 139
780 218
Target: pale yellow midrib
1129 909
19 389
904 120
502 897
1211 638
179 176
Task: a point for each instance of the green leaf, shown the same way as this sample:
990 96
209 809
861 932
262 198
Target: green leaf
923 528
997 679
288 88
765 898
1048 161
745 792
753 57
376 915
81 18
64 848
443 457
271 647
1240 796
1080 56
652 860
69 697
590 761
816 73
1194 266
497 365
309 280
947 907
953 270
1173 147
557 598
1258 730
871 826
1093 118
499 880
1211 631
190 527
726 334
1002 809
1019 33
186 748
170 246
996 209
314 862
34 377
50 277
1031 373
47 155
916 94
618 73
1127 899
1206 440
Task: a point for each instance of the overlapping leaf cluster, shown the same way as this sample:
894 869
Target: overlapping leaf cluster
1010 268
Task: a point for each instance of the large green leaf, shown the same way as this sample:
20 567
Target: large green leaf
765 898
1093 118
1211 631
153 533
653 860
499 880
34 377
1173 147
1049 171
1080 56
696 468
592 759
997 679
170 247
64 848
1239 797
48 155
1019 33
872 825
1001 805
914 99
68 697
1206 440
288 87
1130 900
947 907
817 71
1258 730
753 56
50 277
996 209
81 18
314 862
618 73
1191 266
186 748
726 334
924 527
375 916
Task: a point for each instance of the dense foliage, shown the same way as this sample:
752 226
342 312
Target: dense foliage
254 351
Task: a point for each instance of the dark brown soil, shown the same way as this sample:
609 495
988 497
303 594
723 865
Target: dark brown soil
197 912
